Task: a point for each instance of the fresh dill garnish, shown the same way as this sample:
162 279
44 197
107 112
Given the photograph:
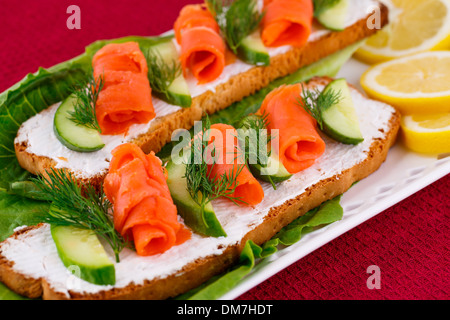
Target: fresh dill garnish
254 140
78 205
161 73
87 96
216 7
315 102
236 19
322 5
203 187
254 135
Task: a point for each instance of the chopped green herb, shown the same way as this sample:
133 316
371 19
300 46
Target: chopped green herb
252 145
202 187
161 73
315 102
87 96
78 205
236 19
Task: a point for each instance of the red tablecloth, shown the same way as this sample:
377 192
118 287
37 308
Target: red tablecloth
409 242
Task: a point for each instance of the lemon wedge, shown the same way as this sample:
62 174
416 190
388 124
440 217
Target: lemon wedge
427 133
415 84
415 26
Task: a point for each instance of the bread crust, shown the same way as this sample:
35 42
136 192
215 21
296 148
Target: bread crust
194 274
17 282
238 87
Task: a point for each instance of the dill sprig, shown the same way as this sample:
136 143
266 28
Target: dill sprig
251 143
236 19
161 73
87 96
78 205
203 187
315 102
254 135
322 5
216 7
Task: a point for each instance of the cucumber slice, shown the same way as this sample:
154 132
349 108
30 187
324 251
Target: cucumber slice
253 51
73 136
205 222
81 251
334 18
340 121
274 172
178 92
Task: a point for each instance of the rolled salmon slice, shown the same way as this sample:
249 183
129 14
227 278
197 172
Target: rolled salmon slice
224 147
286 22
124 103
126 97
300 144
191 16
144 211
119 57
203 50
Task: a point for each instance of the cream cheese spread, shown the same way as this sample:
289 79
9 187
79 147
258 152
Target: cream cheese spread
35 255
38 133
41 140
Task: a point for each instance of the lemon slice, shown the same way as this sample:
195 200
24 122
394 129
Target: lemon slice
427 133
415 26
415 84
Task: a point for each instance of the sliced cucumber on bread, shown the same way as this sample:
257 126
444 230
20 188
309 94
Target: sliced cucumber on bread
253 51
340 120
82 253
74 136
178 91
202 221
273 171
335 16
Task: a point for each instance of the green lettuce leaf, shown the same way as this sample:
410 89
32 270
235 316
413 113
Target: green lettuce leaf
16 211
6 294
144 43
31 95
327 213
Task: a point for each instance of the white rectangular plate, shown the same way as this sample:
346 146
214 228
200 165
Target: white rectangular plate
403 174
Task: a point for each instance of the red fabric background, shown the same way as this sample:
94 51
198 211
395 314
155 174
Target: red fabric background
409 242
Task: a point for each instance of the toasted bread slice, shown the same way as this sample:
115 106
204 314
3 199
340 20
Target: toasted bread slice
29 263
160 130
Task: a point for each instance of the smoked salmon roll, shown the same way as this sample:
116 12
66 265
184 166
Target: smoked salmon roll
203 50
144 211
119 57
286 22
228 160
126 96
299 141
194 15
